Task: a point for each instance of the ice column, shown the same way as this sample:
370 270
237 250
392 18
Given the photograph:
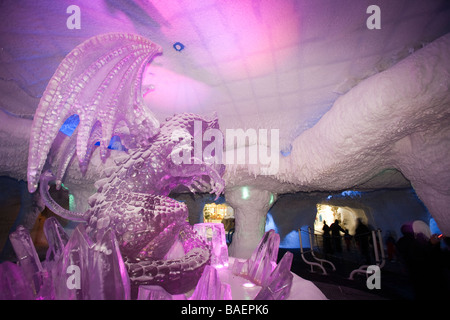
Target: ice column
250 209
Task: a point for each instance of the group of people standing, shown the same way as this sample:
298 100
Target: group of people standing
332 239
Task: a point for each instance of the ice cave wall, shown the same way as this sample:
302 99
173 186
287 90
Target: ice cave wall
385 209
397 120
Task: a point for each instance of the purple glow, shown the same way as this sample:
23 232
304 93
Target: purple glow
248 285
210 287
263 260
132 227
214 235
131 215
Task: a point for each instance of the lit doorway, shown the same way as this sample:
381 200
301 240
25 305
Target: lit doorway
347 218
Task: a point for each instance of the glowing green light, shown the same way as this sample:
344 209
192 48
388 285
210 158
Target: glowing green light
72 205
271 198
245 193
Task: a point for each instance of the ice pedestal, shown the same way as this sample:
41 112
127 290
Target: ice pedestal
250 209
80 269
214 235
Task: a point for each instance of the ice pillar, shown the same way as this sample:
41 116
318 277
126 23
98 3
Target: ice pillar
250 209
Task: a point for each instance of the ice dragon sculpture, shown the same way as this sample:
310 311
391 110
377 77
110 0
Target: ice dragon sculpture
100 81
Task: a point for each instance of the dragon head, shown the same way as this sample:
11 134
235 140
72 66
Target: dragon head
194 153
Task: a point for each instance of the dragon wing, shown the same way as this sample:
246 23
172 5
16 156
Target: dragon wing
100 81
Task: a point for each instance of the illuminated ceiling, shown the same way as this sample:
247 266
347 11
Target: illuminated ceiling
259 64
342 96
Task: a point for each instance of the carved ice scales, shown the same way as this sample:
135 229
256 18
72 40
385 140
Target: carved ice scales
77 268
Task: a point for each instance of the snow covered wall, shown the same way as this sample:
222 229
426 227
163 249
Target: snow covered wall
397 119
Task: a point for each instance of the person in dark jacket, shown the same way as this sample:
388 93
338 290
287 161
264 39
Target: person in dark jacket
362 238
336 235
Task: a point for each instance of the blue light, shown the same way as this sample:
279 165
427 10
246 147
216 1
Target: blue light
350 193
270 223
178 46
434 227
287 151
70 125
114 144
291 241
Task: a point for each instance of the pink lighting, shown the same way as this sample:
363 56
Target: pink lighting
214 235
172 90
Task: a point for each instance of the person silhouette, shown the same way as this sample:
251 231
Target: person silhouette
326 238
336 235
362 237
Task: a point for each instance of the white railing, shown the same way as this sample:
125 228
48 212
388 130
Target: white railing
318 262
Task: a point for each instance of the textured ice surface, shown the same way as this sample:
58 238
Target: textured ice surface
87 270
364 132
13 283
397 119
100 80
209 287
278 285
290 94
263 260
157 293
27 257
214 235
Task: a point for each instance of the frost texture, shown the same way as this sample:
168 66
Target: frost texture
100 81
27 257
77 269
263 260
210 287
214 235
278 285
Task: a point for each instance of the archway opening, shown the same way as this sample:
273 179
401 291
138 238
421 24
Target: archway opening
346 216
